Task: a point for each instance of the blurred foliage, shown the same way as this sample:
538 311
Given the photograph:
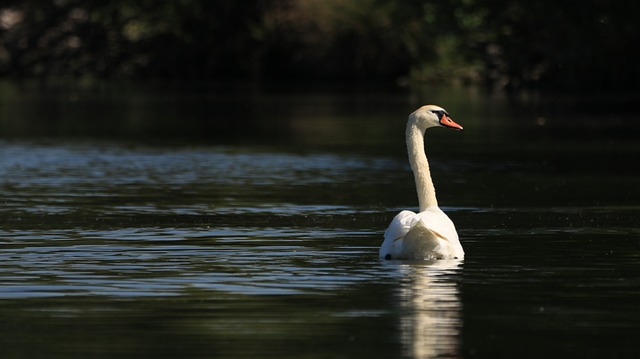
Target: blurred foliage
507 44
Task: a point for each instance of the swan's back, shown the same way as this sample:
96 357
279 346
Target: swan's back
426 235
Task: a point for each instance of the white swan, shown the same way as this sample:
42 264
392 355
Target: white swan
429 234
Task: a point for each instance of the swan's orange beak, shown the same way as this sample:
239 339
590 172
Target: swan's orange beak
446 121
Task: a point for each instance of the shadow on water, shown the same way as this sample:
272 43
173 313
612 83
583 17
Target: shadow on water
245 222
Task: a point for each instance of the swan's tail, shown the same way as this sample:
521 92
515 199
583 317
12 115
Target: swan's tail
423 243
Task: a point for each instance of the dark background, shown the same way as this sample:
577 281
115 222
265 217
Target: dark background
545 44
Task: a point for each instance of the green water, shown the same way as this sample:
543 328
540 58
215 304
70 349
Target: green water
204 221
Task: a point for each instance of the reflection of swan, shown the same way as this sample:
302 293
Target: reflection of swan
432 321
429 234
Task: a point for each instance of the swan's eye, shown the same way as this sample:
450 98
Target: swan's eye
443 116
440 114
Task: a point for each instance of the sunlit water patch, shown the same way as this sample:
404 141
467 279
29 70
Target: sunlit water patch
53 179
206 218
162 262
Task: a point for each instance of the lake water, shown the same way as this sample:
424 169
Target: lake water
240 222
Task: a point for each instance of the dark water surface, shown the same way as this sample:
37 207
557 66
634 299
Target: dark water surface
244 222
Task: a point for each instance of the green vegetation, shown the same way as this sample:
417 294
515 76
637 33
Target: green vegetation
505 44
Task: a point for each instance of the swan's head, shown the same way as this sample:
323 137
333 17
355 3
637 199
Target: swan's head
432 116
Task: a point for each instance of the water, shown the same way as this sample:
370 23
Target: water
122 238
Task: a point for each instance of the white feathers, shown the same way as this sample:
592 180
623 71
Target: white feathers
429 234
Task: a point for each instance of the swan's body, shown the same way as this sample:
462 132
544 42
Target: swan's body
429 234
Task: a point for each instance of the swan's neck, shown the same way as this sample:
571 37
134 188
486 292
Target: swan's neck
420 167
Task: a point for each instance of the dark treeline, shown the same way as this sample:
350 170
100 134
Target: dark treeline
555 44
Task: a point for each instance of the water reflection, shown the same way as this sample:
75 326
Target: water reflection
432 312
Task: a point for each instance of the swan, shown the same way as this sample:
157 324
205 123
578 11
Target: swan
429 234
